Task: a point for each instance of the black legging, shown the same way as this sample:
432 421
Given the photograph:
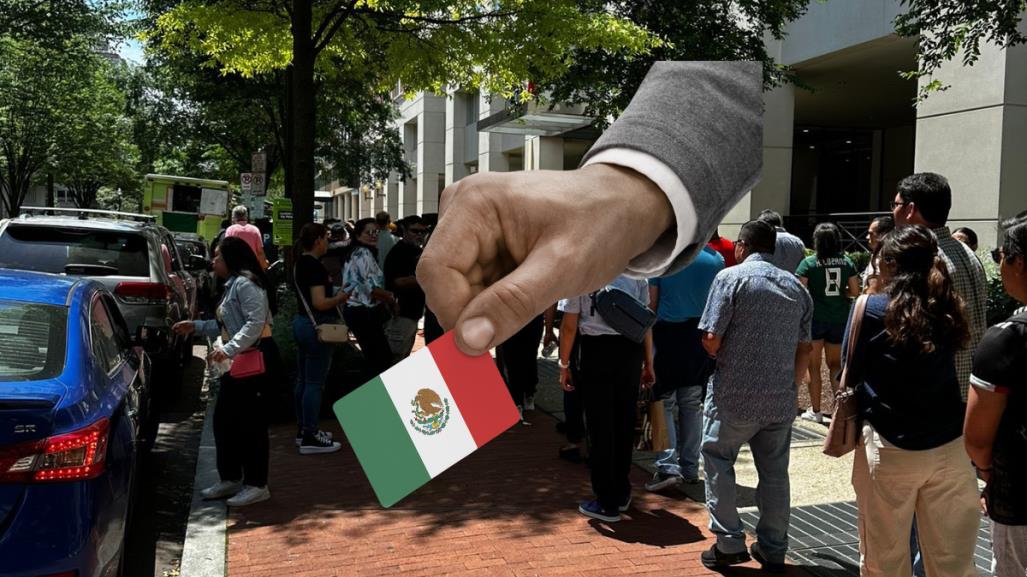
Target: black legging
366 324
241 420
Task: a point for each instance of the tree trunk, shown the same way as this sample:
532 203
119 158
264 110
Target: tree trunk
302 117
50 200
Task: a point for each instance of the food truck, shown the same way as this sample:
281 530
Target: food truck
184 204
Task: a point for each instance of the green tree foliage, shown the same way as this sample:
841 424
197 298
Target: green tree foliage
948 29
710 30
94 147
39 87
425 43
55 22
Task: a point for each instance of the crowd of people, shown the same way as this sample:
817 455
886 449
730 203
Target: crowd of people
734 339
735 334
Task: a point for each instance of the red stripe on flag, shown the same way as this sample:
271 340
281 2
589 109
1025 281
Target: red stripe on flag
477 388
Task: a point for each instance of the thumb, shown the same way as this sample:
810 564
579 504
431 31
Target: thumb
503 308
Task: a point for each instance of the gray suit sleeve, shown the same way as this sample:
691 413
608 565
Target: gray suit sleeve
705 121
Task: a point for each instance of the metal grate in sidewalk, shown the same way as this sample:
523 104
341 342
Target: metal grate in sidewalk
824 539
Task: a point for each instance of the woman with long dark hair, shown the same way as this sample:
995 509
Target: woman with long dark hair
366 311
910 458
832 282
241 413
315 304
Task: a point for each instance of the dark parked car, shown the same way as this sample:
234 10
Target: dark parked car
131 255
198 261
74 418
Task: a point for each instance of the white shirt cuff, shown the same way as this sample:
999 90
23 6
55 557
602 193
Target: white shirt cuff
655 261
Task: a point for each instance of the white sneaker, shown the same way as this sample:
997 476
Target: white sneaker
249 495
811 415
221 490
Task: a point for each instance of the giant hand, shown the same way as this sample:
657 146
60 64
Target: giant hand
508 245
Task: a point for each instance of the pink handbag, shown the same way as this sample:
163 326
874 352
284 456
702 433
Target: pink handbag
248 363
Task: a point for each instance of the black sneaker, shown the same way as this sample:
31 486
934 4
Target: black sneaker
714 559
769 567
625 505
316 444
325 434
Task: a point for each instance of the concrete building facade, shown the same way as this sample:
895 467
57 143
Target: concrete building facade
836 143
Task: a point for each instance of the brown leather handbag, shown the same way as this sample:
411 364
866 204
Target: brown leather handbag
843 433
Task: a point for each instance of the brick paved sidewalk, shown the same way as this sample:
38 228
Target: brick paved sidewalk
507 510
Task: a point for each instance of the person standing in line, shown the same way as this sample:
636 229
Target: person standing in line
925 199
757 324
518 359
242 228
366 311
314 298
996 415
241 411
725 247
386 240
967 236
789 250
910 458
832 281
401 279
611 367
879 227
682 366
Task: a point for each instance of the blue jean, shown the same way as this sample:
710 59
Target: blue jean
769 444
683 414
313 360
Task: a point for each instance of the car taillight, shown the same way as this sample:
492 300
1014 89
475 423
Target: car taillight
70 457
142 292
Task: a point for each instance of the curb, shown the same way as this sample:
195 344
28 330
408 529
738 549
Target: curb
204 551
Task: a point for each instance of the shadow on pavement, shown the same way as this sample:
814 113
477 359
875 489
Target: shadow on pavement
658 528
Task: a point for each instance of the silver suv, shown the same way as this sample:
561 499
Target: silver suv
135 258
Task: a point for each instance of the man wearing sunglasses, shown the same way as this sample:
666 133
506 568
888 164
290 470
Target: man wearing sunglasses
400 266
925 199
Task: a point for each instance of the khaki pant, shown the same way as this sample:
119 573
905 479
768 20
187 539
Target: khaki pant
938 485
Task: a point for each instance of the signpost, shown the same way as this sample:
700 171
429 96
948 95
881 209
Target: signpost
282 216
246 182
259 183
259 162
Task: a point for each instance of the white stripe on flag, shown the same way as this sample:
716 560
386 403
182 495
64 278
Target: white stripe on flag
453 441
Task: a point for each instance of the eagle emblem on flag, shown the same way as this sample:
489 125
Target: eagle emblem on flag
431 412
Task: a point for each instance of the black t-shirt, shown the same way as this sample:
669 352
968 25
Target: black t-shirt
402 262
1000 365
311 273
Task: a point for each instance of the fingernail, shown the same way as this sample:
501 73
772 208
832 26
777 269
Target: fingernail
478 333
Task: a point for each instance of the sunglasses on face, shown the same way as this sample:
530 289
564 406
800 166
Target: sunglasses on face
895 205
418 232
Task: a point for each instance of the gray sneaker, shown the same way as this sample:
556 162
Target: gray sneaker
248 496
221 490
661 481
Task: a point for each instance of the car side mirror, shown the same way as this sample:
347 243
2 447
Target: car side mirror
196 263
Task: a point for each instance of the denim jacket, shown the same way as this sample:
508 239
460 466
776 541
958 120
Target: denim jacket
244 311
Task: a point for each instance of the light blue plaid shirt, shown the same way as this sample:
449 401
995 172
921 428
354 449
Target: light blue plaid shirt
762 313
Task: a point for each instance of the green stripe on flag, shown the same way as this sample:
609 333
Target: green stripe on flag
381 442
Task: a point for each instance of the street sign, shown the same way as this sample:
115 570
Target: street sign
246 182
282 216
259 183
259 162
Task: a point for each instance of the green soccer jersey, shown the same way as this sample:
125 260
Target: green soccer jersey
828 283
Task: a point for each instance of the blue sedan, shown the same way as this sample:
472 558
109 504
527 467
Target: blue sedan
73 407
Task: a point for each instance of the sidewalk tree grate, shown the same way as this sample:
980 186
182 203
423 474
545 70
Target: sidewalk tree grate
824 539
